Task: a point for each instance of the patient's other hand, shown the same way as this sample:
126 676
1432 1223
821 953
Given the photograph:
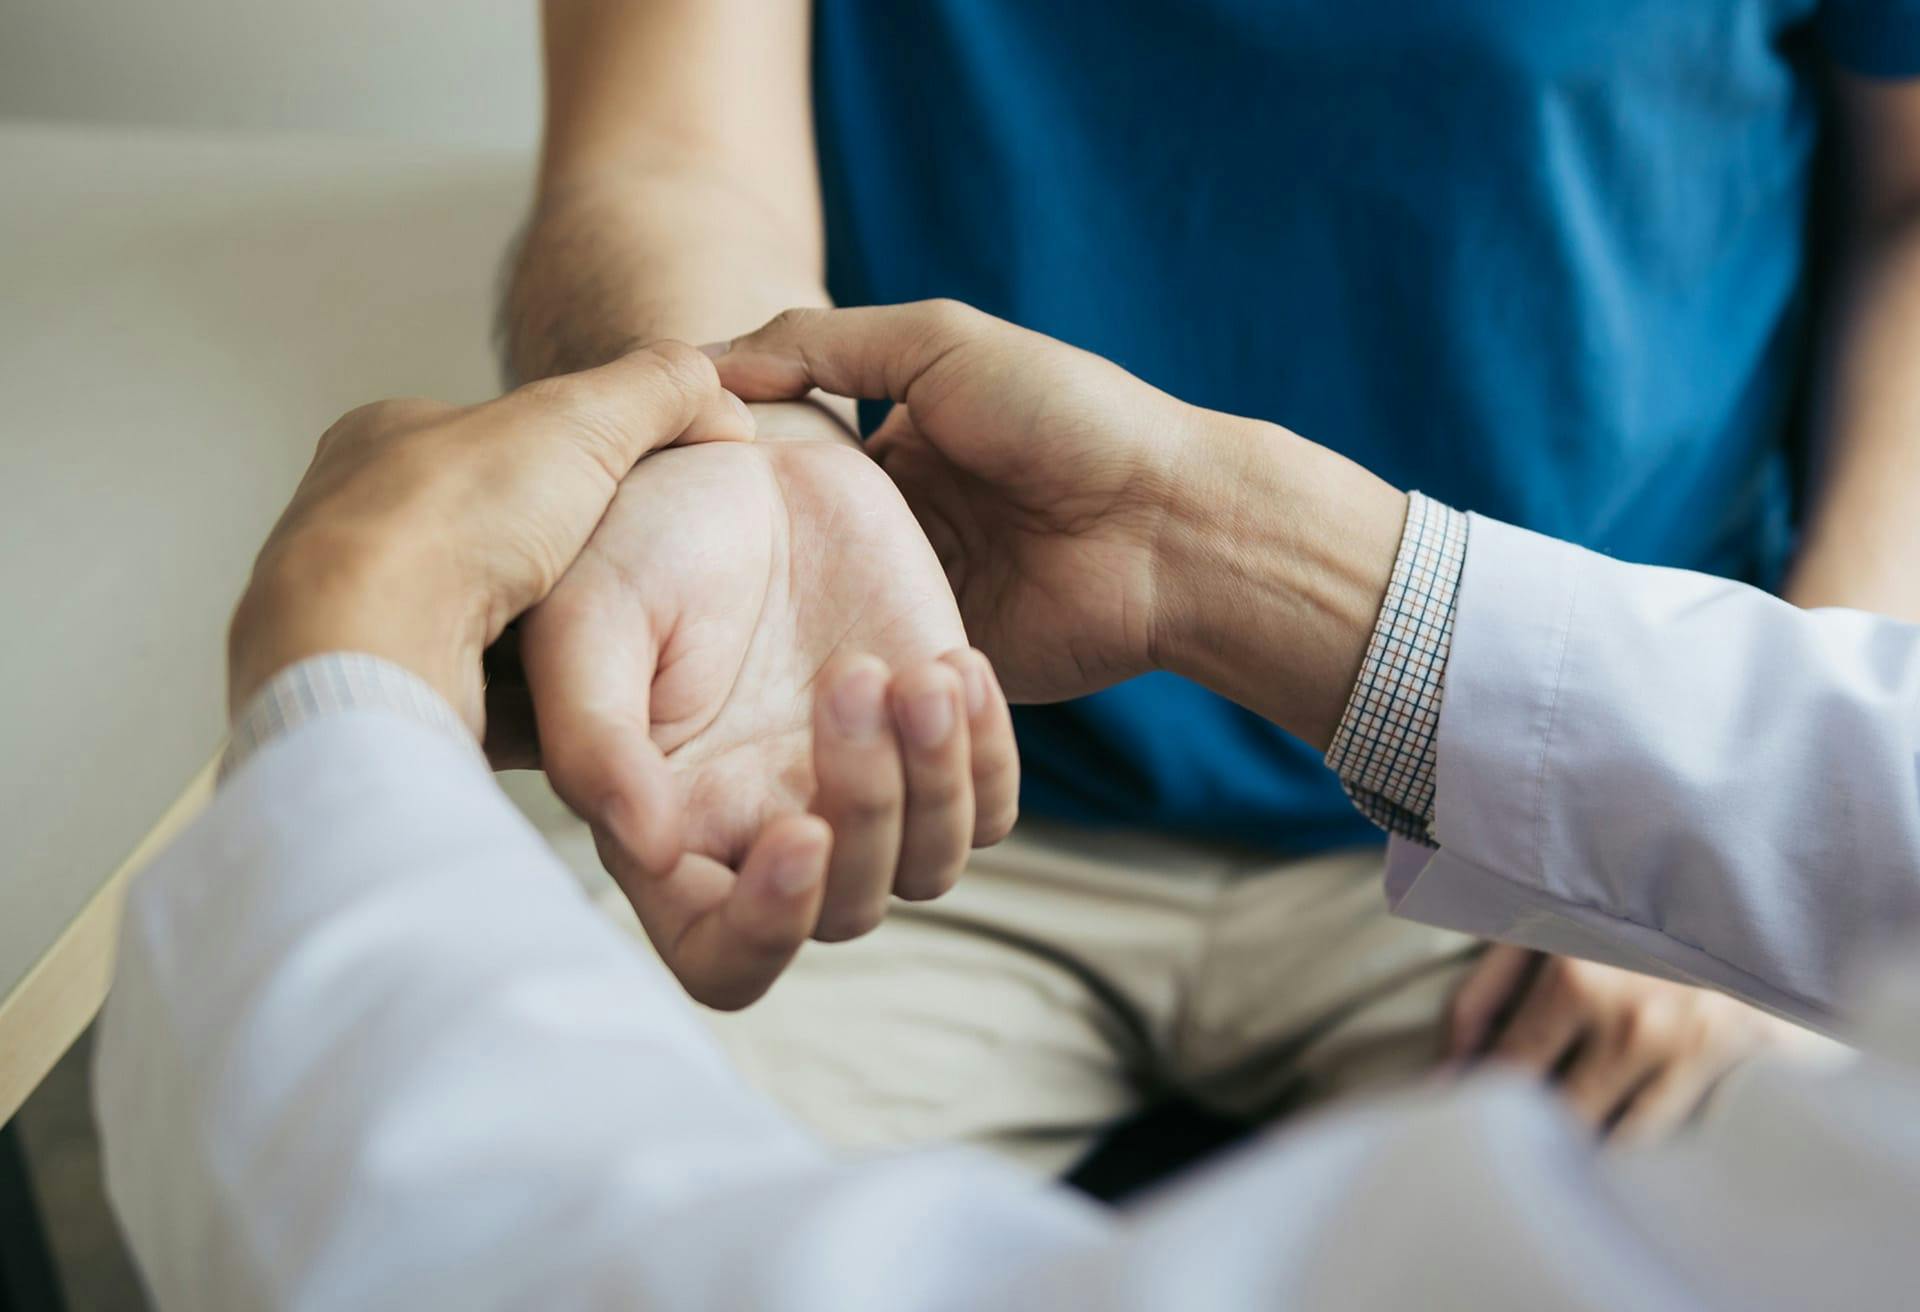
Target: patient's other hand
753 632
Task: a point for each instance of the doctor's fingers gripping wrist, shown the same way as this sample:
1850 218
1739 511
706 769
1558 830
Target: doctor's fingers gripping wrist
1043 474
1096 528
421 529
1013 406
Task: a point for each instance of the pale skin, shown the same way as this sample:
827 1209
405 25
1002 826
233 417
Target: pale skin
1216 543
669 206
1033 465
423 529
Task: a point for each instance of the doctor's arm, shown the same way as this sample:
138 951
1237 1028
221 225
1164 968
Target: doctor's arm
1672 772
1641 765
370 1047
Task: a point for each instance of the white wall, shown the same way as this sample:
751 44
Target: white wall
457 71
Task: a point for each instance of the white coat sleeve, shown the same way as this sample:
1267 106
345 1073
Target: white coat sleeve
1671 772
369 1047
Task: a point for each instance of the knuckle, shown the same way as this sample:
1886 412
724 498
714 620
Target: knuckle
1001 777
360 419
944 323
619 864
842 923
927 885
579 767
793 320
391 412
1556 982
994 825
368 415
589 412
867 808
375 419
686 367
1651 1027
569 397
1576 985
944 314
766 943
939 792
588 777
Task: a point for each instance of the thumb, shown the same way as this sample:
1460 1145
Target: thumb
872 352
591 699
558 448
663 393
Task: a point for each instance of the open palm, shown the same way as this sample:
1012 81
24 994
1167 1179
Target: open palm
684 674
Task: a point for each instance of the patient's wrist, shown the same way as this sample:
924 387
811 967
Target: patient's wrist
814 418
1270 571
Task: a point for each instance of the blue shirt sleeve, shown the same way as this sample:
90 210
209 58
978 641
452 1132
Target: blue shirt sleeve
1879 38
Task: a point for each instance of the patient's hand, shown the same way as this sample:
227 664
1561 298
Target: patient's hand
754 631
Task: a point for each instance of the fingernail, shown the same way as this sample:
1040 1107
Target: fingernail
974 680
857 704
740 408
796 872
929 718
714 350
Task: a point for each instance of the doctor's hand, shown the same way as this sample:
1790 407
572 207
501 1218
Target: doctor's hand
1632 1055
1095 528
1042 475
755 631
421 530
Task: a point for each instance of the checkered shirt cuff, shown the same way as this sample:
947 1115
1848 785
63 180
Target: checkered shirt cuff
1385 750
328 684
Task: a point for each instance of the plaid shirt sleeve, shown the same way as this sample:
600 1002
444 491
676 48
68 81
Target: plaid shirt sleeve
330 683
1385 748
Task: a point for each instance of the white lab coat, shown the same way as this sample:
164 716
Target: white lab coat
369 1046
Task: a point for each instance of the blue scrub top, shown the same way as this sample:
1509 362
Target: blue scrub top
1543 260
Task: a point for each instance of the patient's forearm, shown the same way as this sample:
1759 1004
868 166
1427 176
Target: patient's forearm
677 193
610 262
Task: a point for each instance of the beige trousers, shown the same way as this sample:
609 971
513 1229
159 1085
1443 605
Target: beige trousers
1074 977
